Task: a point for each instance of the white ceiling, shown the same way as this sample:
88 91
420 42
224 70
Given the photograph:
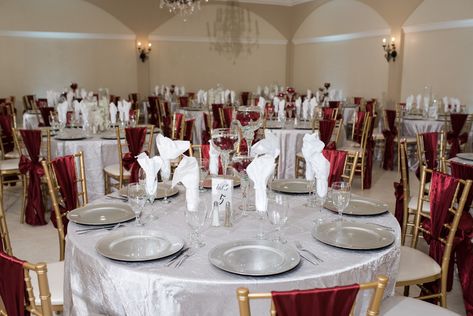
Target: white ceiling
287 3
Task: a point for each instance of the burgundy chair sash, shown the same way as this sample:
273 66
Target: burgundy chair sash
369 162
327 113
45 113
326 129
360 118
65 171
336 301
135 138
357 100
34 212
189 124
454 138
334 104
430 147
205 152
6 122
227 116
12 285
206 132
179 117
337 162
389 134
399 195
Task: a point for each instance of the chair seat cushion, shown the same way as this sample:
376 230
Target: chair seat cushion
56 283
114 170
404 306
416 265
12 155
413 205
9 164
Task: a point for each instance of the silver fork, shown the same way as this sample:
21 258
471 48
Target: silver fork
184 258
301 248
177 256
86 231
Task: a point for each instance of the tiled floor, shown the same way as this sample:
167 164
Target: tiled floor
41 243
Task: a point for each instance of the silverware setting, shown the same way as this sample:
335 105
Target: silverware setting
177 256
98 228
302 249
184 258
308 259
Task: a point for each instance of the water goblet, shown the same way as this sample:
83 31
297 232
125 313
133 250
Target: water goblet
249 119
166 187
239 164
137 199
203 173
196 218
277 214
318 201
224 141
341 193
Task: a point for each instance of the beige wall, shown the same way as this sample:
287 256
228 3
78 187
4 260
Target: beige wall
440 57
186 54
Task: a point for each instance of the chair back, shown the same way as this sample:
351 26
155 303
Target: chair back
45 150
45 114
178 126
134 97
207 128
7 143
244 296
334 104
357 100
188 128
154 113
5 244
431 148
67 186
329 113
226 116
29 102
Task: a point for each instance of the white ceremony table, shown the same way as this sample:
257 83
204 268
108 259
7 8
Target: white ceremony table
95 285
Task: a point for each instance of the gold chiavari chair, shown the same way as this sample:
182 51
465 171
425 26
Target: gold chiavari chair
418 268
4 235
244 296
441 149
178 126
57 200
116 171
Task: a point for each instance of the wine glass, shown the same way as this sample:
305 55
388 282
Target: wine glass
239 164
277 214
166 187
341 196
196 220
319 200
137 199
249 119
224 140
203 173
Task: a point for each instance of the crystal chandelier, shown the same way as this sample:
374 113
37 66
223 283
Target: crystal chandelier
182 7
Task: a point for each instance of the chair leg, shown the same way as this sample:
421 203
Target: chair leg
106 182
1 191
25 194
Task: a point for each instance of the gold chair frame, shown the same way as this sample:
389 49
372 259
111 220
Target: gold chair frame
4 235
244 296
442 145
56 199
407 213
175 128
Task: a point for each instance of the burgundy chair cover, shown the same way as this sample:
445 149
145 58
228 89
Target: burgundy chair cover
153 112
135 138
334 104
454 138
184 101
34 212
327 113
12 285
179 117
206 132
336 301
65 170
360 118
430 147
189 124
244 97
45 113
6 123
337 162
370 106
326 127
41 103
216 115
357 100
389 134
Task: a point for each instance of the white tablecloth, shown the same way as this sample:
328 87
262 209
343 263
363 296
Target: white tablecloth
411 127
95 285
31 120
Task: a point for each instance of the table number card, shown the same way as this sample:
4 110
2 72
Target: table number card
222 190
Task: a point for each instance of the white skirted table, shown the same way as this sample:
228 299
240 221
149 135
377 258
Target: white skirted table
95 285
411 127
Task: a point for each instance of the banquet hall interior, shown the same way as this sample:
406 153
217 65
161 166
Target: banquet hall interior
199 103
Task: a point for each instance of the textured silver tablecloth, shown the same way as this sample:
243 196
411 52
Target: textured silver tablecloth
411 127
95 285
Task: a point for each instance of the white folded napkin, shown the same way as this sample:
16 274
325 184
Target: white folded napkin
418 101
426 103
121 111
227 95
298 106
232 96
77 109
177 91
308 144
62 111
83 93
305 109
261 103
151 168
317 166
445 103
313 105
205 98
282 110
317 95
170 149
126 110
213 160
85 108
187 173
113 113
269 145
259 171
183 91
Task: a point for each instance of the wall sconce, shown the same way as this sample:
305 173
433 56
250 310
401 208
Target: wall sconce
143 52
389 50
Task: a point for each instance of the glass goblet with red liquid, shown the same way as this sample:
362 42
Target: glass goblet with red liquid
225 141
239 164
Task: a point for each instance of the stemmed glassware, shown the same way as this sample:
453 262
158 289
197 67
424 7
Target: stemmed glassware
166 187
137 199
277 214
341 193
318 200
270 111
249 119
239 164
203 173
196 221
225 141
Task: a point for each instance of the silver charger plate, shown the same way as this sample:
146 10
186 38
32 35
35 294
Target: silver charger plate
466 156
354 236
159 193
254 257
138 244
360 206
70 137
101 214
292 186
208 181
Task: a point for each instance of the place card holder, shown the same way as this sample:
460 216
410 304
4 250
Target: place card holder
222 192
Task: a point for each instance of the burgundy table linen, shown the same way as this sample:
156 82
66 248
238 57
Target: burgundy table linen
336 301
12 285
135 138
34 213
6 123
430 147
326 127
337 163
65 171
454 137
389 134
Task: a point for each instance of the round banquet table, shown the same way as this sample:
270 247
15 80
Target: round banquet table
31 120
411 127
95 285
